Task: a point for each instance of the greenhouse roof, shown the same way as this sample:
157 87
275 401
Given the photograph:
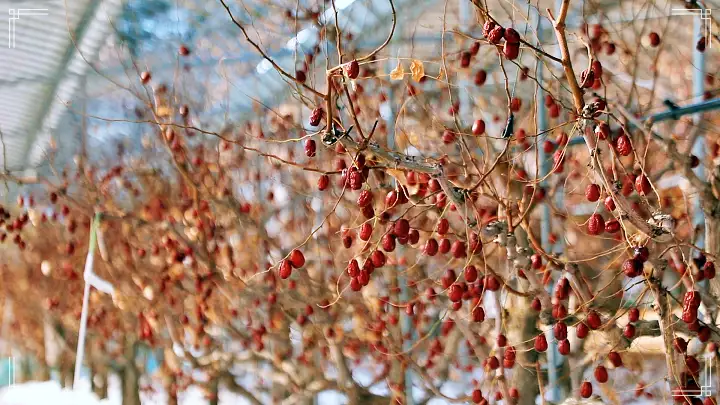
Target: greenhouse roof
43 66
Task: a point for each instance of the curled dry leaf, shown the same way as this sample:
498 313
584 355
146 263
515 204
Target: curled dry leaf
417 69
398 72
163 111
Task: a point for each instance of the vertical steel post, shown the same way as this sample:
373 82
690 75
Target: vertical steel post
465 114
405 320
698 149
545 217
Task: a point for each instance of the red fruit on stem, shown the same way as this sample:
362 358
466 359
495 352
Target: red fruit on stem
629 331
548 147
378 258
145 77
365 198
641 253
615 359
602 130
694 161
512 36
285 269
495 35
593 320
562 139
388 242
587 78
612 226
391 199
465 58
297 259
501 341
310 148
471 274
642 185
581 330
564 347
431 247
455 293
586 389
458 249
560 331
323 182
601 374
444 245
596 224
592 192
633 314
536 305
632 267
609 203
709 270
623 145
654 39
352 69
493 363
704 334
365 231
480 77
692 365
443 226
448 137
541 344
353 269
536 261
316 116
488 26
491 283
478 127
477 396
401 228
478 314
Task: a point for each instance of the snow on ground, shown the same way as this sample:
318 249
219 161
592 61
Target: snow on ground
49 392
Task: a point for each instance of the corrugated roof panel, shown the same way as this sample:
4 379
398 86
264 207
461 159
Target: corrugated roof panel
43 70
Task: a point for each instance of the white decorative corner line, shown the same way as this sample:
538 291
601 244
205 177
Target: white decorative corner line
15 14
705 16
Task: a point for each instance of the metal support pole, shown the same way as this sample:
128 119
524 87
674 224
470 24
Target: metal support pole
675 114
405 320
698 149
465 113
545 217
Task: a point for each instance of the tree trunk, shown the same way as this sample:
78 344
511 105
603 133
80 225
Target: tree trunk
66 372
98 380
522 328
214 388
130 377
42 373
171 388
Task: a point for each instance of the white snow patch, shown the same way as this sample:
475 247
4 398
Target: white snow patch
41 393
